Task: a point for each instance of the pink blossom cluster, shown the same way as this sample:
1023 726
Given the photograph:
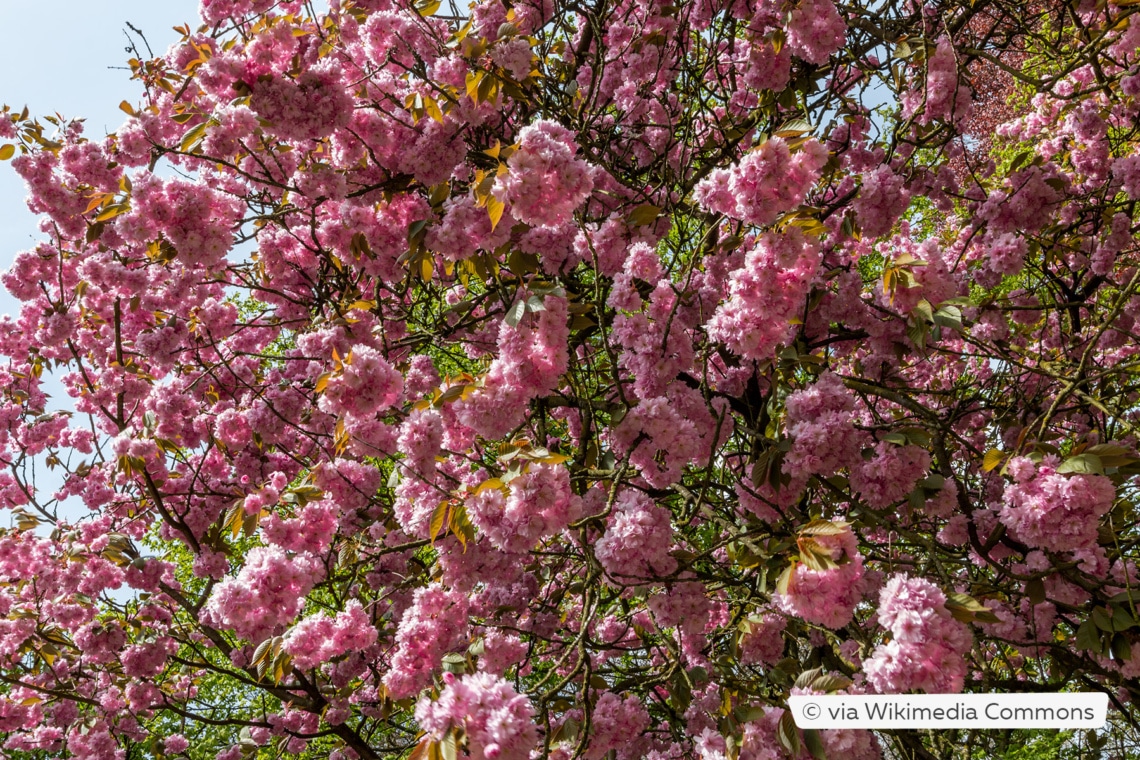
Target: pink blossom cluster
942 97
685 605
267 593
826 597
669 439
532 356
539 503
546 182
766 294
365 384
821 423
882 199
816 30
767 182
197 220
306 108
464 229
501 651
1126 171
617 726
928 645
1048 510
434 625
309 299
890 474
637 540
762 639
497 721
318 639
1006 254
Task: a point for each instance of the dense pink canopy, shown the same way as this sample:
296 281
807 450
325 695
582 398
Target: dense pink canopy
575 380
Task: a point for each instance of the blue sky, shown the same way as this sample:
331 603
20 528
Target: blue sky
63 63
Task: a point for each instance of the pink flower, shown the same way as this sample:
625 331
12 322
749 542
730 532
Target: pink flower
890 474
927 645
546 183
1126 171
762 639
637 540
319 639
821 423
882 200
827 597
816 30
366 384
267 593
767 182
1048 510
942 97
539 504
497 721
435 624
306 108
766 294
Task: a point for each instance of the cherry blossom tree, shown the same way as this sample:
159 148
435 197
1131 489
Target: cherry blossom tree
576 379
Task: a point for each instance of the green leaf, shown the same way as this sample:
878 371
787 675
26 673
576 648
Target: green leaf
787 734
1036 591
1121 648
1088 637
830 682
785 578
807 678
472 84
816 558
515 313
793 128
1086 463
460 524
7 151
192 137
824 528
1102 620
1108 450
924 310
1122 619
488 483
112 211
814 744
968 609
495 209
449 747
1020 159
949 317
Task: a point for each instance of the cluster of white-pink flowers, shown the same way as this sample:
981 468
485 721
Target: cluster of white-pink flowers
765 295
546 182
767 182
435 625
1049 510
497 721
266 594
318 639
826 596
928 645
